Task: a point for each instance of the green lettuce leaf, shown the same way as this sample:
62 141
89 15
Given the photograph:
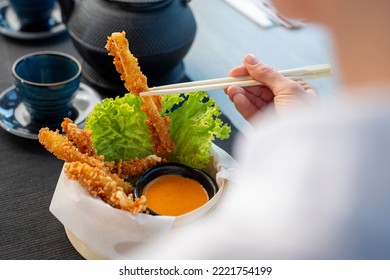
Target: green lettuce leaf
194 126
119 129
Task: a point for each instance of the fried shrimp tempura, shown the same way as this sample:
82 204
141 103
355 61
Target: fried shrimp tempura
137 166
80 137
65 150
100 184
118 47
136 82
158 126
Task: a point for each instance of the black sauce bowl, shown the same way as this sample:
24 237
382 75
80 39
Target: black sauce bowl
152 173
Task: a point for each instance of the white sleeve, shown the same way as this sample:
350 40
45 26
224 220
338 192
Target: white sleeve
306 190
318 188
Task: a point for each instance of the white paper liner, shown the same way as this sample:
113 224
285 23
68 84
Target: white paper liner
99 231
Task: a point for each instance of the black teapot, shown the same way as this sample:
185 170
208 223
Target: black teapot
160 33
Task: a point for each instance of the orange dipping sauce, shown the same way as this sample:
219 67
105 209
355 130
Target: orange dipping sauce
174 195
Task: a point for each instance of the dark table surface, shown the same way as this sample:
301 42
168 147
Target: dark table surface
28 173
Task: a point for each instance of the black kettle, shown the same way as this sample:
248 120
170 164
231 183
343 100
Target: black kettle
160 33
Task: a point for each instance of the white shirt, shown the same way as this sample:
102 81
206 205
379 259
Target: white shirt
315 185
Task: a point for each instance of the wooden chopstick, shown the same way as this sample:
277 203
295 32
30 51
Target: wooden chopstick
307 72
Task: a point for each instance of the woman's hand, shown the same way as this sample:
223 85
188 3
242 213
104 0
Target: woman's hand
284 94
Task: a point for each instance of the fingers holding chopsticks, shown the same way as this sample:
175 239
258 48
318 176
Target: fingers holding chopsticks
250 100
285 93
264 74
252 65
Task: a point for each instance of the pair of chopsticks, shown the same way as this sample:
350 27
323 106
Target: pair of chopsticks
307 72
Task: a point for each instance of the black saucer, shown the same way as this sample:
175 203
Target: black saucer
15 119
10 25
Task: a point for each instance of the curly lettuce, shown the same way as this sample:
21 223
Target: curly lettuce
119 129
194 126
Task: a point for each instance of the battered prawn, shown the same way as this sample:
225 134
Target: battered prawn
135 167
135 82
82 138
100 184
65 150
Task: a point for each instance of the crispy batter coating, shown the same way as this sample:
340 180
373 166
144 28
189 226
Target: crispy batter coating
100 184
126 64
80 137
136 82
158 126
135 167
65 150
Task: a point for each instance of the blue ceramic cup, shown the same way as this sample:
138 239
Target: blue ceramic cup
34 15
47 83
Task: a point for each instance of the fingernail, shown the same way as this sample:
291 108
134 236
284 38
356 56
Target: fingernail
251 59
